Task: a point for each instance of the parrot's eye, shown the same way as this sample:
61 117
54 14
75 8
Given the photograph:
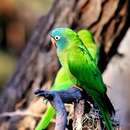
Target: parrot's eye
57 38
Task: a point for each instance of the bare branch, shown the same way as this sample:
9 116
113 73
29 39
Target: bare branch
19 113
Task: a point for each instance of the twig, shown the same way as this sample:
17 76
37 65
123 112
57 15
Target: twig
70 95
19 113
61 115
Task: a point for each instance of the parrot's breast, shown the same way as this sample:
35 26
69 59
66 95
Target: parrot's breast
63 60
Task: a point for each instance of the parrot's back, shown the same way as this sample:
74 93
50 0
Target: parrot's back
88 40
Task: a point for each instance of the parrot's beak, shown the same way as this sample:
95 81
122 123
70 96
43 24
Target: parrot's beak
53 41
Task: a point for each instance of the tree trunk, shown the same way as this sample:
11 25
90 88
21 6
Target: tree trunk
107 19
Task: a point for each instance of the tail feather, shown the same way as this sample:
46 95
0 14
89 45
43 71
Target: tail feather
107 120
106 109
45 120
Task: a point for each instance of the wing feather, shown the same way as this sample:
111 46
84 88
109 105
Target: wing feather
83 67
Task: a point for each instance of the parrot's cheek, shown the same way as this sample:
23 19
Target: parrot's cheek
53 41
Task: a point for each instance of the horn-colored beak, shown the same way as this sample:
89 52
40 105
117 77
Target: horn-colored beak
53 41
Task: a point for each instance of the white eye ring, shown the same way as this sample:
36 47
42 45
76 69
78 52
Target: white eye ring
57 37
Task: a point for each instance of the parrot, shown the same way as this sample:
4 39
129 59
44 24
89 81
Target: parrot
82 70
62 80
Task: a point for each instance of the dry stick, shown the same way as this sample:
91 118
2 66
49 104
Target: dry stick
61 114
78 115
57 99
19 113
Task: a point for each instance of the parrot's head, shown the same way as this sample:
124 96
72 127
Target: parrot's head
61 37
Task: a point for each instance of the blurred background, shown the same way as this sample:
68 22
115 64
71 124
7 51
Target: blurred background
27 62
17 19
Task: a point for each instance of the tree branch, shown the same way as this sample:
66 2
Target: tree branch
58 98
19 113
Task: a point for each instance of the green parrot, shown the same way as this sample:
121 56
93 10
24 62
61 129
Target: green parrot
79 64
63 81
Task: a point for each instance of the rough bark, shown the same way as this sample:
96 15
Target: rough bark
107 19
117 76
78 115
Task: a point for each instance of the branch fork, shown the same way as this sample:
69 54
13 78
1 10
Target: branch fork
58 98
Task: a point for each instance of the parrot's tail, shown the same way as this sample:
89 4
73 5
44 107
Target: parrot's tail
106 109
46 118
107 120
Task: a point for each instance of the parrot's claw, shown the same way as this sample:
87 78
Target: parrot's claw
38 92
44 93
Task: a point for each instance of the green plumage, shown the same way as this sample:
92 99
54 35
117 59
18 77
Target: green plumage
63 81
89 42
77 54
82 69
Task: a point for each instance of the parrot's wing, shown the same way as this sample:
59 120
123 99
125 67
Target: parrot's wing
88 40
83 67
